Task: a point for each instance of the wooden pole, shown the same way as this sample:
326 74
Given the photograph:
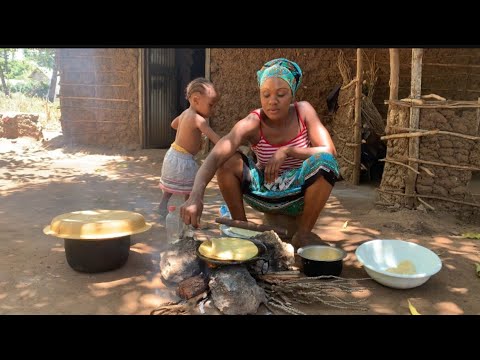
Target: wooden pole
357 131
141 96
394 73
414 142
206 142
478 118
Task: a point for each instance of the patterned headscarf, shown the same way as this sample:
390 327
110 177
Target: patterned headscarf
283 69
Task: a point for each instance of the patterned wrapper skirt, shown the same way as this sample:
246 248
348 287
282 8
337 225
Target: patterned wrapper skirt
286 194
178 172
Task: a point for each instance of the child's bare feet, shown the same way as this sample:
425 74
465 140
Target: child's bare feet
162 211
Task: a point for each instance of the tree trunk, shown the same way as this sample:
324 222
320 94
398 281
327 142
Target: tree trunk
3 70
4 83
53 84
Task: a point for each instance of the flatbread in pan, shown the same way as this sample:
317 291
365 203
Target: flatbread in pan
227 248
243 232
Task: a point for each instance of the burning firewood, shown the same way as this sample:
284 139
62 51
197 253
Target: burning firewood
192 287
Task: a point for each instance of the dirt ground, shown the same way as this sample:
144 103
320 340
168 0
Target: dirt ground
40 181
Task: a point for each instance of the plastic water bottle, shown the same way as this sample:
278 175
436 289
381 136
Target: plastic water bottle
174 225
224 211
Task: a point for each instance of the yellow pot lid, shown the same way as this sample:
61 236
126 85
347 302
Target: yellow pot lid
97 224
227 248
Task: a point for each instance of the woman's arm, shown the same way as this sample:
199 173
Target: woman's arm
224 149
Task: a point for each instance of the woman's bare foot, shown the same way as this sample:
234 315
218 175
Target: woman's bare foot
301 239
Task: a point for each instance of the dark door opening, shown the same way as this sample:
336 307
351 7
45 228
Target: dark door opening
167 73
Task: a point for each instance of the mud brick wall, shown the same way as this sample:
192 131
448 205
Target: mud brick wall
343 130
448 182
99 96
393 179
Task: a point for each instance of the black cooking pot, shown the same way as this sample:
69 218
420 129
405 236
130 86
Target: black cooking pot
93 256
318 260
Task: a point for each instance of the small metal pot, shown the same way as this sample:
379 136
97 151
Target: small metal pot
318 260
92 256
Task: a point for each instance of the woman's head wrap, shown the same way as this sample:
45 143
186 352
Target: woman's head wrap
283 69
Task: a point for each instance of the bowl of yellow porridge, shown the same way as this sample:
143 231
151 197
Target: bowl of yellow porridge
398 264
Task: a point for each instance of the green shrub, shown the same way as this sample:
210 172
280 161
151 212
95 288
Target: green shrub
31 89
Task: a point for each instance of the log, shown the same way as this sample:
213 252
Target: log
427 170
460 167
250 226
357 130
433 96
426 204
394 73
399 163
433 104
409 135
414 143
437 132
413 101
192 287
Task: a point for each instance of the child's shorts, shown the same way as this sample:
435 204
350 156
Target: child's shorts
178 172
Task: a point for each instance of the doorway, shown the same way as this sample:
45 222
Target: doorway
167 73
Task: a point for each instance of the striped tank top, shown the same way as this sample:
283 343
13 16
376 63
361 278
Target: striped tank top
264 150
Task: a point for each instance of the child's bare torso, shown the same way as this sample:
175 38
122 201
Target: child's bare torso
188 135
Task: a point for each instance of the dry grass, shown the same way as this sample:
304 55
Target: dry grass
49 113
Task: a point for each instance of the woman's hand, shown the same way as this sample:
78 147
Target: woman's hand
191 211
273 165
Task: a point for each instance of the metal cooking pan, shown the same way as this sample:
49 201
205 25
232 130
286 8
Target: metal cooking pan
261 256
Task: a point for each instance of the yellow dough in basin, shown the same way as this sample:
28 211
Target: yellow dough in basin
227 248
405 267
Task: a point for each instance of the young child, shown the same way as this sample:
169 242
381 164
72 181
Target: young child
179 167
